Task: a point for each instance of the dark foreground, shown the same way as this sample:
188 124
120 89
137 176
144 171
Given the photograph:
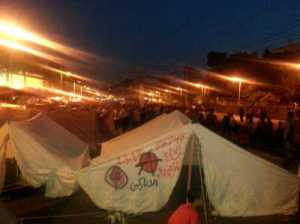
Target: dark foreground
29 206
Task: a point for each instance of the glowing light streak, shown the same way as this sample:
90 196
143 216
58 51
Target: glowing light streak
235 79
61 92
16 46
76 97
288 65
16 81
12 106
18 33
67 73
33 82
3 81
56 98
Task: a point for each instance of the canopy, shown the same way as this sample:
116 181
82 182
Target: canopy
141 178
45 153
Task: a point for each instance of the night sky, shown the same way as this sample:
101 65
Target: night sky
158 35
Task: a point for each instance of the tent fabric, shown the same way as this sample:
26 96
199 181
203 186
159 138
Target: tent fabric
241 184
139 180
57 140
145 133
238 183
46 154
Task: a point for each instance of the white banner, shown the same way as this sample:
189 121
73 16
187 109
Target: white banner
142 179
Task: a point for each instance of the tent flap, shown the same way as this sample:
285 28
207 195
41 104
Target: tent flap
60 184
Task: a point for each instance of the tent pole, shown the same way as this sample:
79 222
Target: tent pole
203 189
94 127
188 187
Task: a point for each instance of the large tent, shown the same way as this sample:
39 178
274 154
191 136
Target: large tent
142 178
45 153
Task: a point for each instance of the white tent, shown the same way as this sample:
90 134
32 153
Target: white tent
145 133
141 178
46 154
239 183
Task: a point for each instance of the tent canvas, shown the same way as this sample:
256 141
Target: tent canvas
46 154
145 133
238 184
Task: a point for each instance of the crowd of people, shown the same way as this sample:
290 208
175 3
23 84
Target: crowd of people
245 127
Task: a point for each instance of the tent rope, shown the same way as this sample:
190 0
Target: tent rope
16 187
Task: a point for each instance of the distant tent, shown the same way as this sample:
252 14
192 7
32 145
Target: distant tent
141 178
46 154
151 130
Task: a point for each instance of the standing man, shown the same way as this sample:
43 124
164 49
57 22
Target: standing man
242 112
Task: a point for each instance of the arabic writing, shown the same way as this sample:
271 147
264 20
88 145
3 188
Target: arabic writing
133 157
143 182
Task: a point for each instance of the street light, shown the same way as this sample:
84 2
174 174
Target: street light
239 80
61 81
179 89
74 87
202 88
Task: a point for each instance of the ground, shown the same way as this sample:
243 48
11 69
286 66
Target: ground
78 208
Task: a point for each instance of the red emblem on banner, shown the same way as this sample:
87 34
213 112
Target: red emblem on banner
116 177
148 162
